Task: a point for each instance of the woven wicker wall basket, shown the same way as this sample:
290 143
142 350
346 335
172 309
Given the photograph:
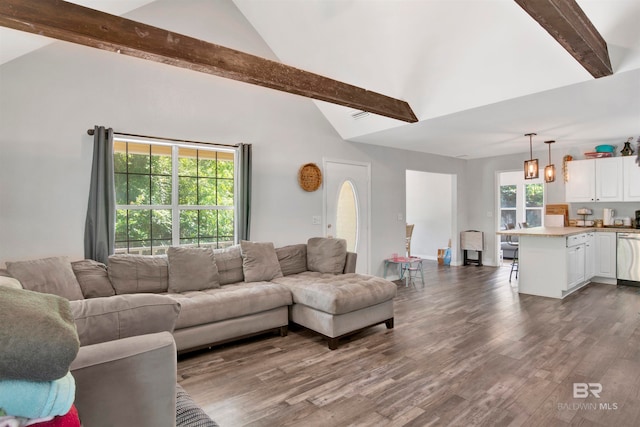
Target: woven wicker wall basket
309 177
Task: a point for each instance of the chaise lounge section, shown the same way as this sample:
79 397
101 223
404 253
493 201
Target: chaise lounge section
333 304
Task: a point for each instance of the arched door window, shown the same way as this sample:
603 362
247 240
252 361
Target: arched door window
347 215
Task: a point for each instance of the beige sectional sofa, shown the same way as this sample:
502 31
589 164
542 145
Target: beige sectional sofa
222 295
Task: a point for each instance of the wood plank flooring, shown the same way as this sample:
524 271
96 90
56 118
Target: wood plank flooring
466 350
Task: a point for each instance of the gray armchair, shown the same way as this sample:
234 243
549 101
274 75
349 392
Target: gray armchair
127 382
125 370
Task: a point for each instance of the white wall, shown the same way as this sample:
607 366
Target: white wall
429 208
48 99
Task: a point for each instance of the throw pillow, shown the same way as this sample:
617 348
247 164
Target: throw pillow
259 261
326 255
93 278
191 269
292 259
121 316
130 274
229 262
47 275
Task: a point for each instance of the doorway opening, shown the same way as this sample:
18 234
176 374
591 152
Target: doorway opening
520 203
431 200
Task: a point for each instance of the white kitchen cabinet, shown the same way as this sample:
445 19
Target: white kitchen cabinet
590 256
631 181
609 179
605 254
595 180
575 265
581 183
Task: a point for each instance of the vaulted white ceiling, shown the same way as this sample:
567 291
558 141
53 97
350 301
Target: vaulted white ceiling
477 73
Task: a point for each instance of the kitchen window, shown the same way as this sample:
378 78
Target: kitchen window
170 194
520 201
533 204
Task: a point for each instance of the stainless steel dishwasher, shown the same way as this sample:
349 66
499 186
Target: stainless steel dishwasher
629 259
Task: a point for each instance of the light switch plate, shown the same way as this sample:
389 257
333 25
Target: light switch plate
315 220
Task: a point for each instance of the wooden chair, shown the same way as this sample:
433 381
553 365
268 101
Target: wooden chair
408 241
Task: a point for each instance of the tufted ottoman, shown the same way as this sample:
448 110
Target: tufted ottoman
339 305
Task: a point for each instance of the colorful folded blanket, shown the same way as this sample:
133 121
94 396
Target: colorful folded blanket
70 419
37 399
38 338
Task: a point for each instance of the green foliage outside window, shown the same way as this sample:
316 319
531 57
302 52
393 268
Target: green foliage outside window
508 196
205 197
534 195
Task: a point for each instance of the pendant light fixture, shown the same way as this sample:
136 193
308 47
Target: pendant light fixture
550 169
531 165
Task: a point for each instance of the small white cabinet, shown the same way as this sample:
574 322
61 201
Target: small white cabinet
631 184
590 256
605 258
575 266
595 180
576 259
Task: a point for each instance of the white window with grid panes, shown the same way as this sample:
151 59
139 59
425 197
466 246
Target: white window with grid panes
521 201
170 194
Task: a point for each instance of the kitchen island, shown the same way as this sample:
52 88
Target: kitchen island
553 261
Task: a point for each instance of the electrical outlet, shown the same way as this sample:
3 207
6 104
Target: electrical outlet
399 217
315 220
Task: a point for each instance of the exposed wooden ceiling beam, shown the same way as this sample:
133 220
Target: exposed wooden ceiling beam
569 25
77 24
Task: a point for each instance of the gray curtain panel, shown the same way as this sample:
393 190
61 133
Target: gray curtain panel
99 232
244 205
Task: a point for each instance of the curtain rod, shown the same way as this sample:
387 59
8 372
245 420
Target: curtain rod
92 131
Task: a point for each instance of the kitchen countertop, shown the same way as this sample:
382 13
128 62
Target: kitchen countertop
563 231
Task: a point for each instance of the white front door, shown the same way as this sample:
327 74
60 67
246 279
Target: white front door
346 200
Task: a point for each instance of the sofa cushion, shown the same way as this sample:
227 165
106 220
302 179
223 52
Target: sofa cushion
130 274
38 336
191 269
326 255
229 262
49 275
93 278
10 282
338 294
259 261
292 259
229 301
107 319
